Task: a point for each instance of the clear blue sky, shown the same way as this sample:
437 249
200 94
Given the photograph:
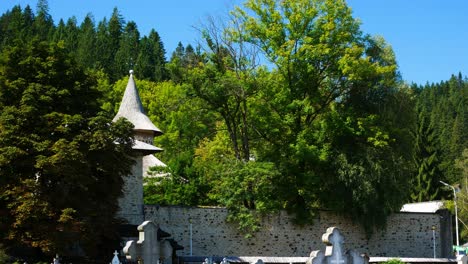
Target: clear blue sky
429 37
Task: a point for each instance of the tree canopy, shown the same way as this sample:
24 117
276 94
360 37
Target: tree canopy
285 105
55 146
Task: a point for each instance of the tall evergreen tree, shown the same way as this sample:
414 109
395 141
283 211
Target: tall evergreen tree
127 54
43 24
426 184
115 30
12 25
85 53
151 58
60 32
71 35
159 55
103 42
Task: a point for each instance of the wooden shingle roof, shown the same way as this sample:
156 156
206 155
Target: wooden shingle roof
132 109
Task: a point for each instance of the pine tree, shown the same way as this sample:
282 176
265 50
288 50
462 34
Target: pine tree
426 181
159 55
71 36
85 53
126 56
43 24
103 52
60 32
151 58
115 29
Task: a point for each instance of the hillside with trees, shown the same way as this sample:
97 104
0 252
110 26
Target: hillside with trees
290 107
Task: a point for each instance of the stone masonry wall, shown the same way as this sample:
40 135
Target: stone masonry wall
406 234
131 202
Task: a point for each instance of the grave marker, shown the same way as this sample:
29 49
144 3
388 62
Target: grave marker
116 260
334 252
147 246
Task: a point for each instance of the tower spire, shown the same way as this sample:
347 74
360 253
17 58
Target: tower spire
132 109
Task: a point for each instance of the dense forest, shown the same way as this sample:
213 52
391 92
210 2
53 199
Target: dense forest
289 107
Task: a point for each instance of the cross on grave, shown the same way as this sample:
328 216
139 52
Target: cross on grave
116 260
147 246
334 241
334 252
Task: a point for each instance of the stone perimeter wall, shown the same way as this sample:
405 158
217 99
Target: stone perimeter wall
406 234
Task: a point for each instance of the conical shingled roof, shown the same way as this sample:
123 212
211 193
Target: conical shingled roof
132 109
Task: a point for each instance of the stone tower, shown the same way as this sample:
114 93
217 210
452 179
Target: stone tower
131 202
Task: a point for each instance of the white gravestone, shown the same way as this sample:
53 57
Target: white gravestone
147 248
334 252
56 259
116 260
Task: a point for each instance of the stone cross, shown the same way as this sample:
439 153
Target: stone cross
334 252
334 241
147 246
115 260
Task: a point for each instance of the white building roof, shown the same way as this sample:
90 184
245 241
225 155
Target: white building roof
151 161
132 109
423 207
145 147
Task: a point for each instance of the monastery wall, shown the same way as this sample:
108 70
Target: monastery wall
406 234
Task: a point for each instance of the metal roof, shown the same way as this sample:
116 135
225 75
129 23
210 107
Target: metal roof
132 109
423 207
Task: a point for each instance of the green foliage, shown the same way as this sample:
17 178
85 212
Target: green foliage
328 124
394 261
171 189
441 136
55 147
113 46
462 196
4 257
426 183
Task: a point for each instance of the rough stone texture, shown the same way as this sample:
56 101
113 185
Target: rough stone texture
131 202
406 234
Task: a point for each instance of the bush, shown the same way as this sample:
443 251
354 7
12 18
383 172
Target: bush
4 258
394 261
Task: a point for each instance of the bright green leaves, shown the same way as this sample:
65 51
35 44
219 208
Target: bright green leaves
328 106
247 186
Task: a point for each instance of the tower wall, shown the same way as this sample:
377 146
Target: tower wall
131 201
